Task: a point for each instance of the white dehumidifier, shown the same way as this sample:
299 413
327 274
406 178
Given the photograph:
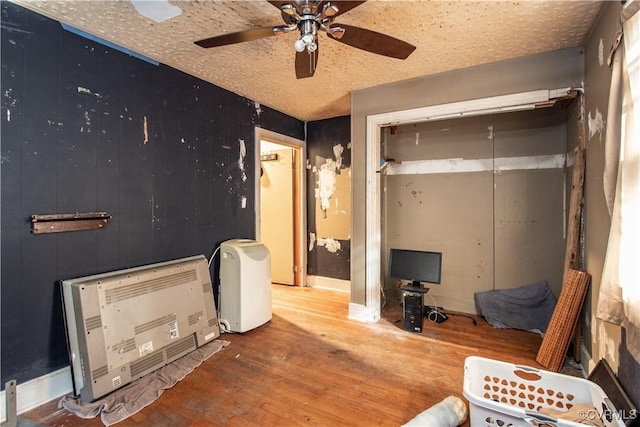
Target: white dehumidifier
245 285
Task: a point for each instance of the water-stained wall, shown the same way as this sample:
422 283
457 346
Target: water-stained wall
329 197
86 128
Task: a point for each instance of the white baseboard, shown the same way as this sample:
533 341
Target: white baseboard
38 391
329 283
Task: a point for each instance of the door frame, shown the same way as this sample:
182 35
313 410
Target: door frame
300 197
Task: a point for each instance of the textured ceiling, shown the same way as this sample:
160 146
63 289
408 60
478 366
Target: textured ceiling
449 35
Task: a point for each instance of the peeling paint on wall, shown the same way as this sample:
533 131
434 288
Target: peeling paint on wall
87 120
338 149
417 138
243 154
326 183
312 240
258 108
332 245
596 124
601 53
333 195
11 100
336 221
145 130
153 210
87 91
490 129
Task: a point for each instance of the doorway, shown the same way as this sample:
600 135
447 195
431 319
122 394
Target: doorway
280 202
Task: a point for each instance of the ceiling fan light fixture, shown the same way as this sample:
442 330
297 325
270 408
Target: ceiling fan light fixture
299 45
307 41
308 32
312 47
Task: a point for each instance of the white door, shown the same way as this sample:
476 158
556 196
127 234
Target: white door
276 207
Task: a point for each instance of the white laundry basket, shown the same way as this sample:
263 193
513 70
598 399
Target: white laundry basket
503 394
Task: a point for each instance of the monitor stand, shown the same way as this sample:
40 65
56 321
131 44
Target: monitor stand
415 286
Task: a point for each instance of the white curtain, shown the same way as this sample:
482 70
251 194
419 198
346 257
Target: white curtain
619 299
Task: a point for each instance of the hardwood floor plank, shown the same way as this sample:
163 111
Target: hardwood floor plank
311 365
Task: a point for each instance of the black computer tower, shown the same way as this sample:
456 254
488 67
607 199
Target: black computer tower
413 311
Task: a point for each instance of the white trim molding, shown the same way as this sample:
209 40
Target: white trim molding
330 283
475 107
497 165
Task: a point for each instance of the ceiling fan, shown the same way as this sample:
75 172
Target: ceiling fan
309 17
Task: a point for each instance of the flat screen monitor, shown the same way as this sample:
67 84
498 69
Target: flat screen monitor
415 266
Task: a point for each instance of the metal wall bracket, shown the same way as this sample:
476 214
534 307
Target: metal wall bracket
10 403
68 222
11 408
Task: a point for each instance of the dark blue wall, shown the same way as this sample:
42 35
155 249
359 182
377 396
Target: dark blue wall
74 118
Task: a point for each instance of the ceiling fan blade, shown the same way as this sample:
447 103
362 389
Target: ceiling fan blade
306 63
239 37
374 42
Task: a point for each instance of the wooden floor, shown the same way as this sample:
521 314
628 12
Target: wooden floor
310 365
